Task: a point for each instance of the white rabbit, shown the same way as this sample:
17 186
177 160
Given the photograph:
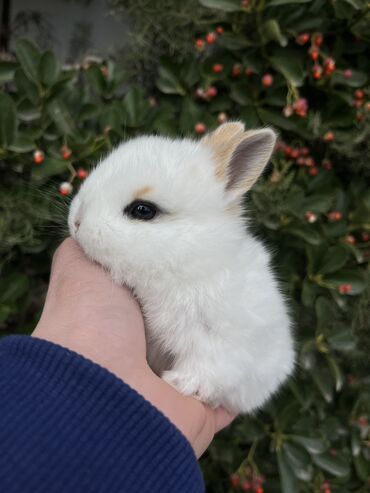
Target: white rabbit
164 217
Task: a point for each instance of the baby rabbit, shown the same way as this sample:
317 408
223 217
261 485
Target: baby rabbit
164 217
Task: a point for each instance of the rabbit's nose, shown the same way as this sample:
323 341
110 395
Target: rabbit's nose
77 225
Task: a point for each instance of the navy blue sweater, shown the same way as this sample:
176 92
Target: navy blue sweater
68 425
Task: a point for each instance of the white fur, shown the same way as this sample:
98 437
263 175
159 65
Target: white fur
217 325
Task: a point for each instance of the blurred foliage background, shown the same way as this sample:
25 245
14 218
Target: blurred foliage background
301 66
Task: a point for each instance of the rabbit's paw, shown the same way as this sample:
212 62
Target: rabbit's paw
187 382
191 382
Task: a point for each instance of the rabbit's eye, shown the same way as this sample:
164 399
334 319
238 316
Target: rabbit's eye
145 211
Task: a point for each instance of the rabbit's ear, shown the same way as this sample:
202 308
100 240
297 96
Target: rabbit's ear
240 156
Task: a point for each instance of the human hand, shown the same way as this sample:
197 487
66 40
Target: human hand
86 312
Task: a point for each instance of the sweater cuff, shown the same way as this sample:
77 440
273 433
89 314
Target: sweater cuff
69 425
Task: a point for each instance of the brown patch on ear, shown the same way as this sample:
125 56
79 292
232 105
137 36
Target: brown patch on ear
142 191
223 142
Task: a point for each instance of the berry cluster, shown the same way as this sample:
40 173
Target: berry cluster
362 105
302 157
299 107
210 38
65 188
206 94
249 481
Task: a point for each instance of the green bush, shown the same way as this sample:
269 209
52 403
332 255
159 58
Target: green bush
312 207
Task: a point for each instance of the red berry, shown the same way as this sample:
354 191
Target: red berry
310 217
317 71
363 421
66 152
329 64
211 38
82 173
300 107
294 154
220 30
222 117
313 171
305 151
360 116
365 236
357 103
236 70
267 80
199 44
200 93
314 53
211 92
38 156
217 68
249 72
259 489
301 161
317 39
348 73
246 486
288 111
302 39
327 490
359 94
200 128
310 162
244 3
350 239
334 216
234 480
324 484
65 188
329 137
326 164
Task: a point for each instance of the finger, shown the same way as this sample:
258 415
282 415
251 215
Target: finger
223 418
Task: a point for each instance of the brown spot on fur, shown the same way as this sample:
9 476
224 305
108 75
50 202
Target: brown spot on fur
142 191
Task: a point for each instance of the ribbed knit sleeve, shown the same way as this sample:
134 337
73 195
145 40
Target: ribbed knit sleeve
68 425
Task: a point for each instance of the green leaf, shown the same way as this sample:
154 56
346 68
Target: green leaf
60 115
313 445
275 3
50 167
234 41
27 112
342 341
324 309
337 465
7 71
135 107
299 461
358 79
88 112
336 372
356 279
287 477
278 120
96 79
271 32
290 65
7 120
13 287
49 69
25 86
168 81
324 383
333 260
29 58
239 93
22 144
225 5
